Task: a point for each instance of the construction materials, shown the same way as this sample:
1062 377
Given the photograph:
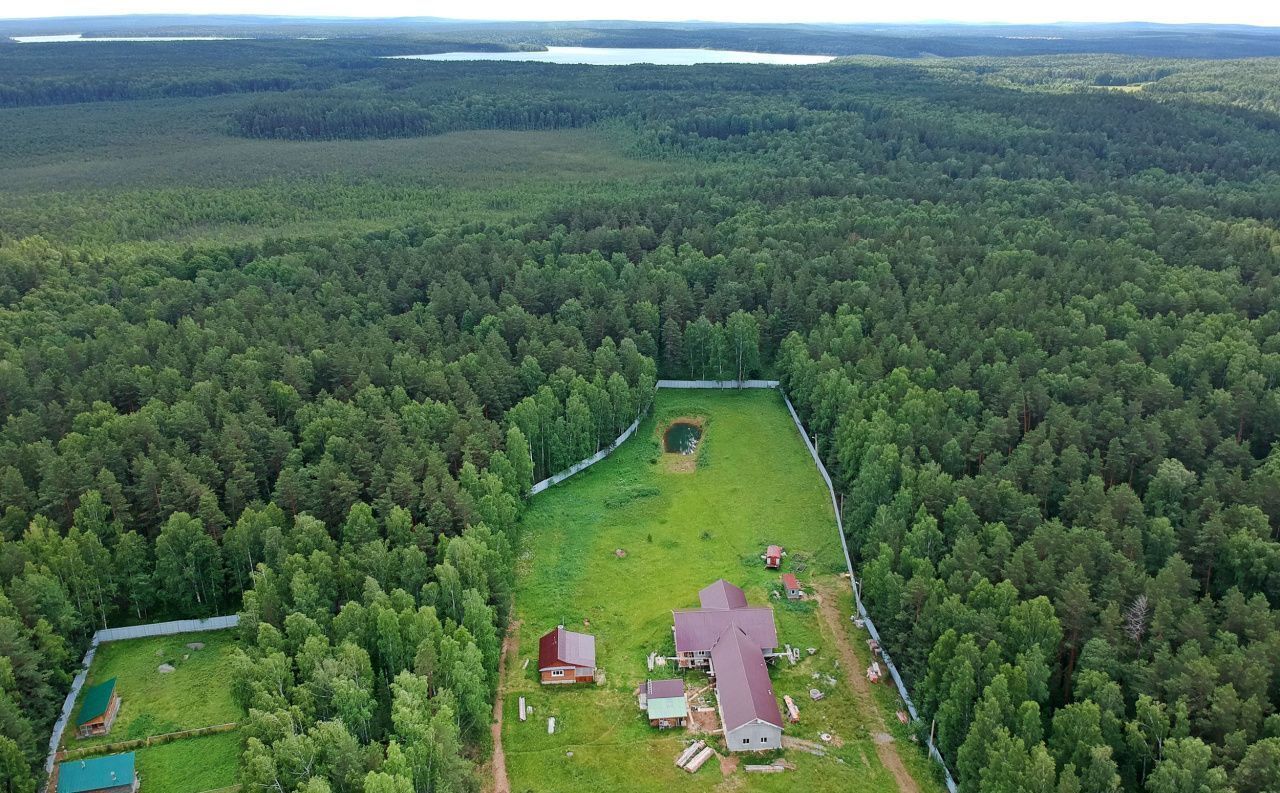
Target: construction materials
764 769
689 752
792 711
551 725
699 760
522 709
815 694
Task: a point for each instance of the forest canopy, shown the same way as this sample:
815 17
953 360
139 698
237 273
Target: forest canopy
1029 307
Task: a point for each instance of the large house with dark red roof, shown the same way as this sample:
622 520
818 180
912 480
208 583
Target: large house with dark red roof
567 657
732 640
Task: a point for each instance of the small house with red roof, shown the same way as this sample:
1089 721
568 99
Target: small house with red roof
773 557
792 585
566 657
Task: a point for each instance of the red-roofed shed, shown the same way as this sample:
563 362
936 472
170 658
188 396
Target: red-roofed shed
792 585
773 557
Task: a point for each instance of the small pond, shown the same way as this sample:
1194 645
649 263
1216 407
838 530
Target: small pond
682 438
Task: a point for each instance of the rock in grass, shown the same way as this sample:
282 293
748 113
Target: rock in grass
164 669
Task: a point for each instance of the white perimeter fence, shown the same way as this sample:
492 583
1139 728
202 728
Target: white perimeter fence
119 634
835 506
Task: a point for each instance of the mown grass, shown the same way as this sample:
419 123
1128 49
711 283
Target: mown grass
754 485
196 694
191 765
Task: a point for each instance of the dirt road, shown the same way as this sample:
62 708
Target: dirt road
496 781
886 749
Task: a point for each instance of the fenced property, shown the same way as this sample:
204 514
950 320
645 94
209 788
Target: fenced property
121 634
905 695
614 550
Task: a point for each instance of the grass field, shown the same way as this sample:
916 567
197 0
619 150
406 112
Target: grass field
191 765
196 694
681 527
156 172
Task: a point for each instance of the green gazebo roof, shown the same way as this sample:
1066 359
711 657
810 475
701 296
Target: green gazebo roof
98 773
96 701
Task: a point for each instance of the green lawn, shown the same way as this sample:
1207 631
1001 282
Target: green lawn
196 694
191 765
754 484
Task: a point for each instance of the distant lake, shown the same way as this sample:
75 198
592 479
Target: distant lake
623 56
80 37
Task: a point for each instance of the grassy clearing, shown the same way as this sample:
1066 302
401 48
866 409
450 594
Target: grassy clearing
159 172
681 529
191 765
196 694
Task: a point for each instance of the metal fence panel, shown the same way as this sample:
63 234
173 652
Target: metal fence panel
717 384
857 595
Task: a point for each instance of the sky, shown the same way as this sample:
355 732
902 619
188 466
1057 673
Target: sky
1252 12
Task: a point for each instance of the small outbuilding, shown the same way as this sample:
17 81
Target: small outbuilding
665 703
773 557
98 710
566 657
111 774
792 585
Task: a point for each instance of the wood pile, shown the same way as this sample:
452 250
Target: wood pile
688 753
700 759
792 711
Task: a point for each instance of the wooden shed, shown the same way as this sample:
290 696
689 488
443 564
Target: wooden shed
98 710
792 585
773 557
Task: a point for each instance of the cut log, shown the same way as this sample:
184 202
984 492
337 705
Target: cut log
698 761
688 753
551 725
792 710
522 711
763 769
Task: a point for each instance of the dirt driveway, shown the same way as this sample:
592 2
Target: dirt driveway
496 781
886 748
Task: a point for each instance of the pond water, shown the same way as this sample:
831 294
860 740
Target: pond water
682 438
624 56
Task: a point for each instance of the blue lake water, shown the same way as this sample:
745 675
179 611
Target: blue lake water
623 56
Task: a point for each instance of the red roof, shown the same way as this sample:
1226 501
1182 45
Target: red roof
789 581
774 551
561 648
723 605
663 689
743 687
722 595
698 629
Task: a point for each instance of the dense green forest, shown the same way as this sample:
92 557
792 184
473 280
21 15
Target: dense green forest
1028 306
